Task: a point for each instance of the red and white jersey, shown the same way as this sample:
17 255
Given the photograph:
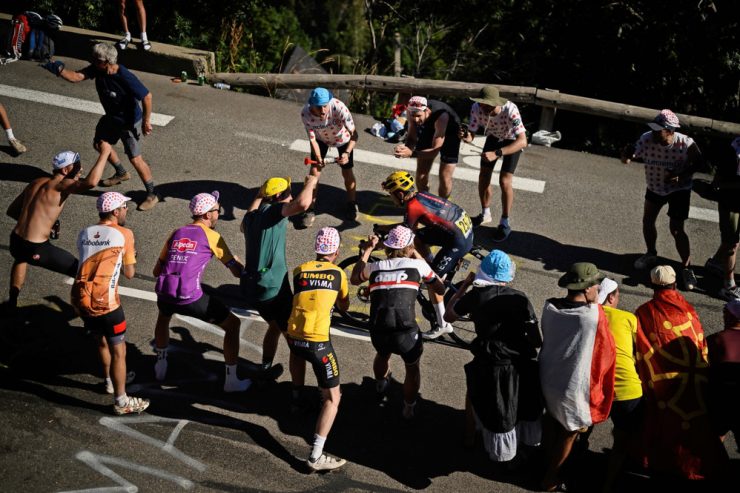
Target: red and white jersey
103 249
398 273
335 130
507 125
664 161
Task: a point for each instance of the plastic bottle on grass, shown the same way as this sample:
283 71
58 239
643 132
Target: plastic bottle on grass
221 85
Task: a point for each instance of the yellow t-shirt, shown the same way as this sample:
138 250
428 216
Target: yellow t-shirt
316 285
623 326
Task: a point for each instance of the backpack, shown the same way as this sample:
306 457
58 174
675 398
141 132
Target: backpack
41 41
17 36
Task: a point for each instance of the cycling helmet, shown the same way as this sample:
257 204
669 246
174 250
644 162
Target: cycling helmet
398 180
34 18
54 22
275 186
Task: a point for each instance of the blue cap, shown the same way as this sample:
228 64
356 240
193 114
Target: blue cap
497 267
320 97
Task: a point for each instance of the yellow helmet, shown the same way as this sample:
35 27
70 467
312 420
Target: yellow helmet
398 180
275 186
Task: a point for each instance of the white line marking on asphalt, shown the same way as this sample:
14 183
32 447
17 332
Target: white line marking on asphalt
701 214
215 330
69 103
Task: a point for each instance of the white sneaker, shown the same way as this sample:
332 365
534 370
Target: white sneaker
438 331
236 385
160 369
325 463
482 218
645 261
109 385
17 146
730 294
133 405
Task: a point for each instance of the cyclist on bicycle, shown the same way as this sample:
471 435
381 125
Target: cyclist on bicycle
445 224
394 284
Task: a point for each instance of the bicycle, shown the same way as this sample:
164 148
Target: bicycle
358 313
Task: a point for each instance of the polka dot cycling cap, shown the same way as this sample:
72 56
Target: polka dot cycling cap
110 201
666 120
417 103
327 241
399 237
203 202
64 159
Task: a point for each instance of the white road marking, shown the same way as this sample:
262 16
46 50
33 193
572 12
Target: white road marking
701 214
69 103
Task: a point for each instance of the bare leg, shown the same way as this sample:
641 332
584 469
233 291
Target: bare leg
297 370
17 279
141 167
682 241
446 170
616 459
380 366
411 383
141 14
112 158
122 13
118 368
729 252
105 355
507 193
162 332
561 443
270 342
484 186
649 232
350 184
4 120
231 339
328 411
423 167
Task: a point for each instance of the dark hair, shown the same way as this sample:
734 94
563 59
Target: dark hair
105 215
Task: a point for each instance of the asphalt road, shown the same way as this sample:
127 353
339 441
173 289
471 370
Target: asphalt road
57 430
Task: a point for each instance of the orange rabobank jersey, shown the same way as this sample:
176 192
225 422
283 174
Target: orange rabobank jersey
103 249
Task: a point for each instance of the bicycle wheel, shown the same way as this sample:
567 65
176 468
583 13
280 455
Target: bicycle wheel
464 329
358 313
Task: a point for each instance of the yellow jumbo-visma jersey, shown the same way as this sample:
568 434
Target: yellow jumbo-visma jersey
316 285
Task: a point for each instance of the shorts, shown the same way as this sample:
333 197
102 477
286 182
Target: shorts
510 161
450 151
206 308
112 325
628 415
453 248
109 130
277 309
43 255
323 149
322 358
408 344
729 225
678 203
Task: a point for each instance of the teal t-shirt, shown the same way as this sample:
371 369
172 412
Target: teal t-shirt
265 269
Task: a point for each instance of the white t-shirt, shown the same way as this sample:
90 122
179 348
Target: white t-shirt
335 130
507 125
662 161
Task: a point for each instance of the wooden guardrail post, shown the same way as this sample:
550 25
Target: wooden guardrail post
397 56
547 116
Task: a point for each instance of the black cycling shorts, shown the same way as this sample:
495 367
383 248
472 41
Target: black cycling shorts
277 309
407 344
453 248
450 151
678 202
322 358
43 255
323 148
206 308
510 161
112 325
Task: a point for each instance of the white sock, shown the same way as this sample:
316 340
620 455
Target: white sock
161 353
318 446
439 309
143 37
9 133
504 222
108 381
127 36
121 400
486 211
730 283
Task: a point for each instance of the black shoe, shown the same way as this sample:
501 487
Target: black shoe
501 233
351 212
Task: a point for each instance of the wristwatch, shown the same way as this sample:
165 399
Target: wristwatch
499 153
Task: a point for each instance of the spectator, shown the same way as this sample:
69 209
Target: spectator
503 399
577 364
141 16
670 159
724 373
672 364
329 123
627 408
120 92
501 123
16 144
434 129
105 248
727 180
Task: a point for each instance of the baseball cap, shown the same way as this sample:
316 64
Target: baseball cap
733 308
399 237
320 97
275 185
580 275
607 287
417 103
327 241
663 275
203 202
110 201
666 120
496 267
64 159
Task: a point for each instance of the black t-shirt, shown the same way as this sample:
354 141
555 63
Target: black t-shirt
425 132
728 172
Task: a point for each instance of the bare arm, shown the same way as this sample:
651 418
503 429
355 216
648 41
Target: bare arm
146 106
304 200
129 270
516 146
440 129
71 75
157 268
343 303
450 314
358 271
407 148
236 267
92 178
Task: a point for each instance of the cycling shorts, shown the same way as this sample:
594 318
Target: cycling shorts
206 308
112 326
678 203
322 358
510 161
450 151
43 255
453 248
323 148
277 309
407 344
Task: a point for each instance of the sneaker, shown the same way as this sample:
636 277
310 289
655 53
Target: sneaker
121 45
146 45
730 294
381 388
501 233
438 331
133 405
236 385
17 146
351 212
714 267
109 385
149 202
482 219
114 180
688 279
306 219
325 463
160 369
645 261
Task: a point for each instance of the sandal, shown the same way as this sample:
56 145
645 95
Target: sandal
146 45
123 43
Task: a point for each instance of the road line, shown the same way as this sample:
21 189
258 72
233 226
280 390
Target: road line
388 161
69 103
701 214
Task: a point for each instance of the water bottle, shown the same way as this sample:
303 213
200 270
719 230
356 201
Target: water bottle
221 85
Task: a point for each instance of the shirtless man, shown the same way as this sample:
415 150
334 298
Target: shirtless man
37 208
